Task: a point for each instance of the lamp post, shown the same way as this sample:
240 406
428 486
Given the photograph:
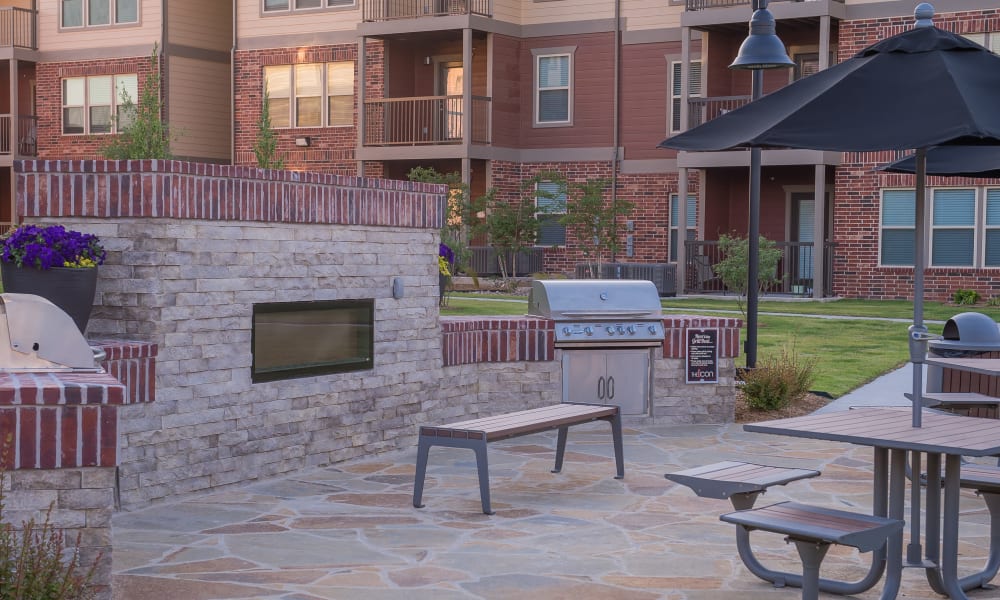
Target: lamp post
762 49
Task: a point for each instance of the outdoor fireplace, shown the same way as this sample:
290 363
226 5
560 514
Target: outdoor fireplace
302 339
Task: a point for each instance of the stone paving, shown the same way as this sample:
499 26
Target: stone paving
350 531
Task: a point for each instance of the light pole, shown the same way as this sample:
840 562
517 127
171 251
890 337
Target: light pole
762 49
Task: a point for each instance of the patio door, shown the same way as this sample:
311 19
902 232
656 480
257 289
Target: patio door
803 229
449 84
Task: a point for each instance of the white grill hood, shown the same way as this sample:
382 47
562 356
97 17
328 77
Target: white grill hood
590 299
36 335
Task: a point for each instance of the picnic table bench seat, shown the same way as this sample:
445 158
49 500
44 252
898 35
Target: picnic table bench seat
739 482
475 434
813 529
969 404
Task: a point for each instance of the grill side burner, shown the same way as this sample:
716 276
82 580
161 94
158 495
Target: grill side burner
607 328
38 336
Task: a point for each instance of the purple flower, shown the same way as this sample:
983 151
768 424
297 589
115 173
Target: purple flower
44 247
447 253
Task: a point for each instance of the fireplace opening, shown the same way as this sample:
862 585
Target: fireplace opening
302 339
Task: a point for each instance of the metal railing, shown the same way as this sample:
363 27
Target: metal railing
424 120
484 260
705 4
18 28
21 140
391 10
794 271
701 110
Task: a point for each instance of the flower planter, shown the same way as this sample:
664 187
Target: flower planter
72 290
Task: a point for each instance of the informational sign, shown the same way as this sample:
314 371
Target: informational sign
703 356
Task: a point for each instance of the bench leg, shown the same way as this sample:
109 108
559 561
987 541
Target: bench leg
482 465
423 449
812 554
560 448
616 434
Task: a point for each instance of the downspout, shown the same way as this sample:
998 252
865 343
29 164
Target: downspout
615 120
232 91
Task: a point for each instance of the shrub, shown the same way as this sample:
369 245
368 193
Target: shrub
35 562
965 297
778 381
993 301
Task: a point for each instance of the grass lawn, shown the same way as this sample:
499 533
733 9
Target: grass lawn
848 352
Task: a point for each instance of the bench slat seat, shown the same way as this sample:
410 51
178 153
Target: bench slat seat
982 478
726 479
818 524
474 434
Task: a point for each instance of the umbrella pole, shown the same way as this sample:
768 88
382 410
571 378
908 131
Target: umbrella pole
918 332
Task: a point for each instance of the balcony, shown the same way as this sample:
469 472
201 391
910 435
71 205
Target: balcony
707 4
18 28
701 110
795 269
427 120
390 10
19 140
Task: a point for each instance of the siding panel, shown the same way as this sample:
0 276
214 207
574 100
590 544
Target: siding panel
198 24
199 110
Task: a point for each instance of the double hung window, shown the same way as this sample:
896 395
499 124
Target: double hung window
311 94
271 6
694 91
964 227
90 13
554 89
692 222
95 104
550 204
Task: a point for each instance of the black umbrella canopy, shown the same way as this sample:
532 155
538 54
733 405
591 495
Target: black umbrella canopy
923 87
953 161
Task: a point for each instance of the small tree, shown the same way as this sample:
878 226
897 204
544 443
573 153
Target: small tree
141 131
459 219
733 268
594 220
265 147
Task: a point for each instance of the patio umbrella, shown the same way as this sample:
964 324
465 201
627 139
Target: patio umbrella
953 161
921 88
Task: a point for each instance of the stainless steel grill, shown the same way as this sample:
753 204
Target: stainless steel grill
37 336
599 312
607 329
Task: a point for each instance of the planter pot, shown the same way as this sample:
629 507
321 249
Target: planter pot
72 290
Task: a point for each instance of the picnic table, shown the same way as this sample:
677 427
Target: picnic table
890 432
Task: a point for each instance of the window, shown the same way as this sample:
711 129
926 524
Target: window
692 222
88 103
953 227
286 5
964 222
554 98
694 91
990 40
321 94
76 13
550 202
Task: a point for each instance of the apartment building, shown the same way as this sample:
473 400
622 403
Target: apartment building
501 90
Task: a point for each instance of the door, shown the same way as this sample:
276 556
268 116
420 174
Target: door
608 377
803 230
449 85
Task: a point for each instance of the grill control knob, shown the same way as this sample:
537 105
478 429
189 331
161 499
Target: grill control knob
567 330
621 330
588 330
630 329
652 329
611 330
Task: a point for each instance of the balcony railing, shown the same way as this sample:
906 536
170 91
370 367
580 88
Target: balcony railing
424 120
391 10
701 110
704 4
795 268
20 140
17 28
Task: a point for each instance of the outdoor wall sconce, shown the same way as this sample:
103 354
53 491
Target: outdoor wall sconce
303 141
427 60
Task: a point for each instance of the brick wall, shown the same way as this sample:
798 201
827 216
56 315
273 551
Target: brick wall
51 141
331 149
650 214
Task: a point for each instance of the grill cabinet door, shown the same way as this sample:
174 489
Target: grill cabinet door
607 377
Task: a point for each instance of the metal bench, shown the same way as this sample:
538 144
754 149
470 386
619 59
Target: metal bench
475 434
813 529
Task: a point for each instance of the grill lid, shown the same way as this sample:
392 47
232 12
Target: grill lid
594 299
36 335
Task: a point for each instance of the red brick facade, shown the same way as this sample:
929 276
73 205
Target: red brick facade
857 201
51 141
331 149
